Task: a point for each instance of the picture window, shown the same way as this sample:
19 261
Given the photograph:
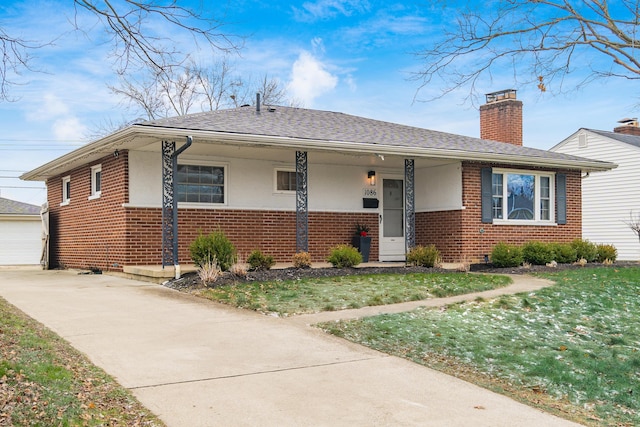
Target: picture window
522 196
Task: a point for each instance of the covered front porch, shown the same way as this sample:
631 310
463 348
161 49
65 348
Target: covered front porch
327 192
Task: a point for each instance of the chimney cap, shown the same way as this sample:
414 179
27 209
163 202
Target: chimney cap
629 122
500 95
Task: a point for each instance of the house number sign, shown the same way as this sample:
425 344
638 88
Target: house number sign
369 192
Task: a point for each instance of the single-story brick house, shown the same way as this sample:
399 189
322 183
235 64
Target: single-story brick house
284 179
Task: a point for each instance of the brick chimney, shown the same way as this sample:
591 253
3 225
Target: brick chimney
501 117
628 127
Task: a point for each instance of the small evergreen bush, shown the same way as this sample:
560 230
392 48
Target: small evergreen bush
564 253
423 256
585 250
342 256
607 252
505 255
302 260
537 253
259 261
213 247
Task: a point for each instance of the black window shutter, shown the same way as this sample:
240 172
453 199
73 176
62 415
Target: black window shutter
561 198
487 195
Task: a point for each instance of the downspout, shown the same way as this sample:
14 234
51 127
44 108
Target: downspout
174 208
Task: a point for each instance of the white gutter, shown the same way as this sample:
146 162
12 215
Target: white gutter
115 140
352 147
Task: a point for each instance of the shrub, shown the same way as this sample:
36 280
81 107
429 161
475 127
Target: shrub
302 260
344 256
606 252
585 250
564 253
423 256
215 246
537 253
259 261
505 255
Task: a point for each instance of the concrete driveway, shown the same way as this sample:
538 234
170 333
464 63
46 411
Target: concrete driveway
197 363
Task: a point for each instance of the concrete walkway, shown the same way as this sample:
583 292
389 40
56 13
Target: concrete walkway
197 363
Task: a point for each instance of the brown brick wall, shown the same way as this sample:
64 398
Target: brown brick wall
89 233
273 232
460 235
502 121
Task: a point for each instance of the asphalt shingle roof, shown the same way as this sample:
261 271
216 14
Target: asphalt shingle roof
300 123
12 207
627 139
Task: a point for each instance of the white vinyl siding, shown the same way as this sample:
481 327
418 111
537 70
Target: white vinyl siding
608 198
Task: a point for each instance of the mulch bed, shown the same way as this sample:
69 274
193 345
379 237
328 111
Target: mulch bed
191 281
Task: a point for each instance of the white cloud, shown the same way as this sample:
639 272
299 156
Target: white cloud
69 129
50 106
310 79
325 9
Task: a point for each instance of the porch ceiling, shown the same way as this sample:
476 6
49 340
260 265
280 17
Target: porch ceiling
287 155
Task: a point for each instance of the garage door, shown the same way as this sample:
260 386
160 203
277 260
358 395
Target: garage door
20 241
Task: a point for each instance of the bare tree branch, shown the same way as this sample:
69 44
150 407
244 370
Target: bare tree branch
131 27
542 41
182 90
135 44
15 59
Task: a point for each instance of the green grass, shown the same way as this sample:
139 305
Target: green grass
573 348
338 293
45 382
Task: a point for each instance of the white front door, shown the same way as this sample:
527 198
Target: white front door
392 246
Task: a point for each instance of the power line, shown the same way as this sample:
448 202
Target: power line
24 188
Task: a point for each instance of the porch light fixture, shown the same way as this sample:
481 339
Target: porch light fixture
371 175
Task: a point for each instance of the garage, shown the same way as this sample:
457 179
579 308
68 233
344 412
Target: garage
20 233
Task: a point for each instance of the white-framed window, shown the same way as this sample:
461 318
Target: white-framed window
96 182
522 196
285 180
198 182
66 190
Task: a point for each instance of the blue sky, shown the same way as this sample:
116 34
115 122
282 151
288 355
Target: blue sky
340 55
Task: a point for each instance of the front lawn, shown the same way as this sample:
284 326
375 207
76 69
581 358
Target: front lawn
45 382
313 295
572 349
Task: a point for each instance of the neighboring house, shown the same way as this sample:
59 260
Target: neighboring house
285 179
610 200
20 233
